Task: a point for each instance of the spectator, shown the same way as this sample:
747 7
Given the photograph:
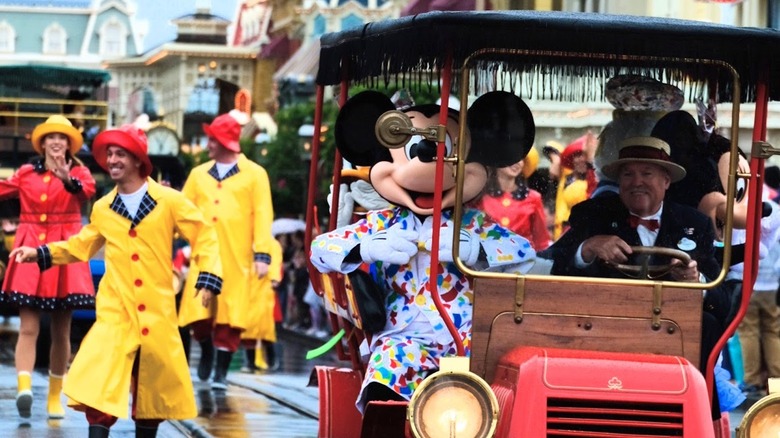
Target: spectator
759 331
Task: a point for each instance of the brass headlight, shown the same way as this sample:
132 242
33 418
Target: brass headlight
763 418
453 402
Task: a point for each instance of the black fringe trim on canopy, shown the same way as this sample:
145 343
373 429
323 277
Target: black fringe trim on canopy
414 49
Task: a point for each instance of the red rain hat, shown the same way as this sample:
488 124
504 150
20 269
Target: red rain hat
226 130
574 148
128 137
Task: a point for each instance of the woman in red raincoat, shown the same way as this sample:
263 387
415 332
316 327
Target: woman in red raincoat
51 190
510 202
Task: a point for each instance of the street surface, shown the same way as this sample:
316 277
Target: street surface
274 404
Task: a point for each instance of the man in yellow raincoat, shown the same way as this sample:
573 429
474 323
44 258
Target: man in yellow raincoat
234 194
134 344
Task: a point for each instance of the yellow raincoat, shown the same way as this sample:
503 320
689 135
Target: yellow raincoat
240 208
135 305
260 313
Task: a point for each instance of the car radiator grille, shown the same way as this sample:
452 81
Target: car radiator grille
597 418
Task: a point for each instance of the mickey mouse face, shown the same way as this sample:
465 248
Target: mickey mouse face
408 179
500 132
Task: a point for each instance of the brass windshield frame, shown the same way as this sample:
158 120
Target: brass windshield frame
466 69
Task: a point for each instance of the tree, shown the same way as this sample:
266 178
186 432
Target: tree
287 163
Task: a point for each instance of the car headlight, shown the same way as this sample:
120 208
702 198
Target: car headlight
763 418
453 402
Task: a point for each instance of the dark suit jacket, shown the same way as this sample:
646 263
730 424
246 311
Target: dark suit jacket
608 216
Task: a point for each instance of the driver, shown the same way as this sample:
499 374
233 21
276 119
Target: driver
603 230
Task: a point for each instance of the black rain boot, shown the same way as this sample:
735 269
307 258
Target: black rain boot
270 355
186 340
145 431
249 357
221 370
206 359
98 431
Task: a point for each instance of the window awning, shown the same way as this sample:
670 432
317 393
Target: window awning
39 75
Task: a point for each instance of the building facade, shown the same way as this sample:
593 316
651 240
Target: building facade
51 61
185 82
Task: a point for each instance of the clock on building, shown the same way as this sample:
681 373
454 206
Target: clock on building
162 140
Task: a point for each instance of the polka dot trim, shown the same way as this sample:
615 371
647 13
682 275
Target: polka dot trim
71 302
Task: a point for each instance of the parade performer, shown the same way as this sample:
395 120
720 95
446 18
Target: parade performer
510 202
577 180
134 343
234 194
51 189
261 322
396 242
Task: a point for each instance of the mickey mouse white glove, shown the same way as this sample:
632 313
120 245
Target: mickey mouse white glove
469 244
393 245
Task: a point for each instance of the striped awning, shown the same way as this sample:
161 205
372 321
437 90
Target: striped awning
302 65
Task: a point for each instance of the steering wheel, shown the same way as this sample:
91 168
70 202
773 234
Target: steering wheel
646 271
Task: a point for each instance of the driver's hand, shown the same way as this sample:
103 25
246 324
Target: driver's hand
685 273
611 249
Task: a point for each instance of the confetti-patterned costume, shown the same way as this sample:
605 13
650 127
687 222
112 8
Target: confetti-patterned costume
414 336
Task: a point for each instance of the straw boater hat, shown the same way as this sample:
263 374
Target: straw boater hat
644 150
129 137
57 124
226 129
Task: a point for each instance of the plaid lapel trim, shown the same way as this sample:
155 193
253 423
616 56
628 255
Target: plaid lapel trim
214 174
119 208
146 207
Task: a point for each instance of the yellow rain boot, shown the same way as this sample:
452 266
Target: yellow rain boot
54 404
24 397
260 362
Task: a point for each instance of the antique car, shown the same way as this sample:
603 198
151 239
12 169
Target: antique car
548 355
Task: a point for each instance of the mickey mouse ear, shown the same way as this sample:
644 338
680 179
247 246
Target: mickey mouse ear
354 130
502 129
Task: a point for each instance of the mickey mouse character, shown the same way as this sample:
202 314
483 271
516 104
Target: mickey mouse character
396 242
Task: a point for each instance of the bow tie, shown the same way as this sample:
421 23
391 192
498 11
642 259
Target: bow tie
650 224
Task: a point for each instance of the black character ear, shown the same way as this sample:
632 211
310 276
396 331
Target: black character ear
681 131
354 131
502 129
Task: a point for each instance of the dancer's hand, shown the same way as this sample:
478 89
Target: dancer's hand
205 296
261 269
61 168
24 254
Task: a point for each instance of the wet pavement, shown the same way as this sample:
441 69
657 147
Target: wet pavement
271 404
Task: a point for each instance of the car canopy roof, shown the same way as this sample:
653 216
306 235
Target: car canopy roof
392 48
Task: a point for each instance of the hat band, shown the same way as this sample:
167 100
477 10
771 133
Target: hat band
643 152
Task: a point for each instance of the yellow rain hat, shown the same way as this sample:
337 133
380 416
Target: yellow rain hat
57 124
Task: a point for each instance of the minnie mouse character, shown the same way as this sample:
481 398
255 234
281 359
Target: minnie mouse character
396 242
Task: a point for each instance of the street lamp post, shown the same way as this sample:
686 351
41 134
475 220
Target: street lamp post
305 137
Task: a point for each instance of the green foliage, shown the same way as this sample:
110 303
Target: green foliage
287 163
